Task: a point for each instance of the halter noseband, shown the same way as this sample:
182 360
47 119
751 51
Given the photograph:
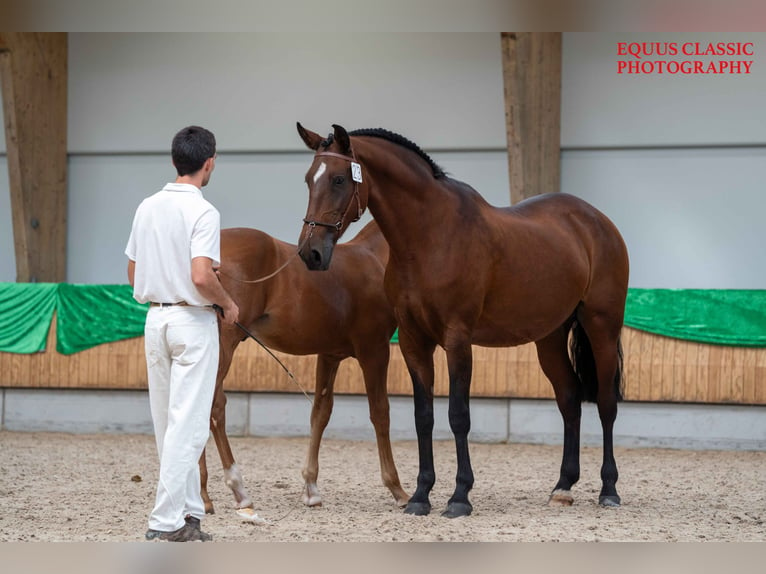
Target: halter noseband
359 209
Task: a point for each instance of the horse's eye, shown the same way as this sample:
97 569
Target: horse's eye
338 180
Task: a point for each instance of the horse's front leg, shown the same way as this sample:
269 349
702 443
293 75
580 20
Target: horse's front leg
418 354
231 473
326 370
459 364
229 339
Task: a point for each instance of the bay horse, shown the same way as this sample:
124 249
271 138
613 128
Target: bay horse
463 272
341 314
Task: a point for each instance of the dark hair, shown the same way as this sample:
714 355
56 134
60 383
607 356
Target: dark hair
192 147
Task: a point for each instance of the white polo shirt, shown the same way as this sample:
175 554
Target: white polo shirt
170 228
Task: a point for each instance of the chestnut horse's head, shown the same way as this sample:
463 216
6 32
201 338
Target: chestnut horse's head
337 195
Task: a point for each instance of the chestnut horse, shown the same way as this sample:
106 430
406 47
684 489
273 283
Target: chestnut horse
463 272
343 313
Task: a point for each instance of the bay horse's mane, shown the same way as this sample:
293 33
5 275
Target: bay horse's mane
397 139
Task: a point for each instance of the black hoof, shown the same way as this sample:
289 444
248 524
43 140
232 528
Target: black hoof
611 500
418 508
455 509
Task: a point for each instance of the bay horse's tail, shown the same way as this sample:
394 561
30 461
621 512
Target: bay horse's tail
585 365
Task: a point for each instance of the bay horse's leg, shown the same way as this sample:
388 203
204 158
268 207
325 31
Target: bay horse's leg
418 354
460 364
604 330
229 339
374 363
554 359
326 370
209 508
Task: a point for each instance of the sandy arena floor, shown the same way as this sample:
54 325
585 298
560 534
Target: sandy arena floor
61 487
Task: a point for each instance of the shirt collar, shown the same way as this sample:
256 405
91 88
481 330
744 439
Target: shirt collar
187 187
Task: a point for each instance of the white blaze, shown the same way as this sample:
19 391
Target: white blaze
320 170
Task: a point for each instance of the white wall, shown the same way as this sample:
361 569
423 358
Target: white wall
128 92
676 161
690 215
601 108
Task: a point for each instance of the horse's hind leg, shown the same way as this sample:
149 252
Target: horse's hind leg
603 331
326 370
554 359
374 363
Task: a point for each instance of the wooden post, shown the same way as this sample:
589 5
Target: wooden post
532 79
33 74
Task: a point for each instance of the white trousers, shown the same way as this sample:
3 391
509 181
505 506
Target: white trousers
181 346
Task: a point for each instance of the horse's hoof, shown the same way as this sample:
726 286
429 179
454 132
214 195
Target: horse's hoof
401 498
457 509
609 501
418 508
312 501
311 496
561 497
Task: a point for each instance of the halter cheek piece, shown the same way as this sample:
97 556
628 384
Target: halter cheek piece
354 196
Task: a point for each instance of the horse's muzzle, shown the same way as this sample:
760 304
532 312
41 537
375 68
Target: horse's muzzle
317 252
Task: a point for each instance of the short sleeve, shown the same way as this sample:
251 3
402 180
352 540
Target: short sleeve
130 248
206 236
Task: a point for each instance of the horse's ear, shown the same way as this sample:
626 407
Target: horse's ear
311 139
341 136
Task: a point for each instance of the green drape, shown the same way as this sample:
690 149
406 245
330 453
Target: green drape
89 315
721 317
26 311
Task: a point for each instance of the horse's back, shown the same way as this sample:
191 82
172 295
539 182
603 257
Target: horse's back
567 219
329 309
369 239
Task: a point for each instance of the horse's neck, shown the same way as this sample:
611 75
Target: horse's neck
415 214
404 201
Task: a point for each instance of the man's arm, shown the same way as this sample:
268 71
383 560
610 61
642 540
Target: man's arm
131 272
206 282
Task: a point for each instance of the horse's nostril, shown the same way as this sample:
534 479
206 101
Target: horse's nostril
316 259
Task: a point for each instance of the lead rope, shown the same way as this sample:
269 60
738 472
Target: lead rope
253 337
281 268
281 364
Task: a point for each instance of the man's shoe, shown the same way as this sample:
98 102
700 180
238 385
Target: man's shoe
194 523
172 536
187 533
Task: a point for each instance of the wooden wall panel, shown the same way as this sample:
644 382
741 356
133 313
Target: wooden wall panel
33 78
532 87
657 369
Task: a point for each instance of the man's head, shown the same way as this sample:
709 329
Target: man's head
194 150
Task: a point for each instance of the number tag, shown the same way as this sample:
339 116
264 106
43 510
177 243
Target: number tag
356 172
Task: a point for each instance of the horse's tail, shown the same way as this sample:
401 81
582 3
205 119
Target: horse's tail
585 365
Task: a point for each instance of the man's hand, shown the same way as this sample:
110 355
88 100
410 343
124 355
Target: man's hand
205 278
230 314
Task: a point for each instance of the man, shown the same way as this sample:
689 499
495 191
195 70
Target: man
173 250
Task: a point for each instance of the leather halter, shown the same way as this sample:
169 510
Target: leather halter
354 196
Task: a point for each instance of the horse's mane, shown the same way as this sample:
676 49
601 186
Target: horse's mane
402 141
